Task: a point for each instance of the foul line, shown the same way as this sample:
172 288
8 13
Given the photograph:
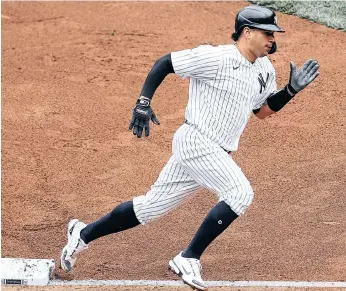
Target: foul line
301 284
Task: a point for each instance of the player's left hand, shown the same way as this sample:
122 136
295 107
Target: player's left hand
141 116
302 77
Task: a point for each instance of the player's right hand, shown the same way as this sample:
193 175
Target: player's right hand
141 116
302 77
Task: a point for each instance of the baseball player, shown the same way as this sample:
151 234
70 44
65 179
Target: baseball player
227 84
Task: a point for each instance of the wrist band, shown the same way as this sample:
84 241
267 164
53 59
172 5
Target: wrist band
144 101
291 90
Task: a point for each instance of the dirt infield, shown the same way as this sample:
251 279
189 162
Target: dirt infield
98 288
71 72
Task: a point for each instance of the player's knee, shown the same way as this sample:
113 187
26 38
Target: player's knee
146 210
141 207
239 199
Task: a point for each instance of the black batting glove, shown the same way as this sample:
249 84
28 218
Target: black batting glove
141 116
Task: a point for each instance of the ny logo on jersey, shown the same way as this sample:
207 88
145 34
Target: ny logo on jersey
263 83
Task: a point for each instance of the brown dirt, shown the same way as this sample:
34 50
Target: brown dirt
71 72
147 288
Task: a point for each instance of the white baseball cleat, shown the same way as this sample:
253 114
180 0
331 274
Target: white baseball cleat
189 270
74 245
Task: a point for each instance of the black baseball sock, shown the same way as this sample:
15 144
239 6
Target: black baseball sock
121 218
217 220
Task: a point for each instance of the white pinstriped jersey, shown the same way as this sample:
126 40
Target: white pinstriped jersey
224 89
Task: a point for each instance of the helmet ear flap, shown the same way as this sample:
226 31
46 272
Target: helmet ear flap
273 49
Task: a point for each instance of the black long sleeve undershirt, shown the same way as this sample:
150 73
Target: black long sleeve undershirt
278 100
162 67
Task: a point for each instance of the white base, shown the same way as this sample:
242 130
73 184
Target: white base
21 271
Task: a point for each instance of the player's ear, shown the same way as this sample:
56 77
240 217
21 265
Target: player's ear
246 32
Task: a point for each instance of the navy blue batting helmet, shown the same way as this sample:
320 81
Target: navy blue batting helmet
256 17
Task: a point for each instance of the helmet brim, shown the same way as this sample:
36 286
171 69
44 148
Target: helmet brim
268 27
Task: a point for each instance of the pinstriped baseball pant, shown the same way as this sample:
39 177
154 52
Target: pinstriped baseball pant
196 163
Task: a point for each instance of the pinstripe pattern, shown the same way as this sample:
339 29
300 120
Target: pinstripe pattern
212 167
171 188
221 98
224 89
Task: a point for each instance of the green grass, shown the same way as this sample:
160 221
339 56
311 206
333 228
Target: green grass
329 13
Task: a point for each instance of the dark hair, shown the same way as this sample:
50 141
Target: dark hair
236 35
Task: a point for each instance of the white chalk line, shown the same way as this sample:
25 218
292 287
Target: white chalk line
301 284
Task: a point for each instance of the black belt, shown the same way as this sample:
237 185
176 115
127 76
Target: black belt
228 152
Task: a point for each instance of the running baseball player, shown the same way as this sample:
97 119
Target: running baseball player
227 84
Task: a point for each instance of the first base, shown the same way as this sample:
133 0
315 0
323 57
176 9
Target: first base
26 271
